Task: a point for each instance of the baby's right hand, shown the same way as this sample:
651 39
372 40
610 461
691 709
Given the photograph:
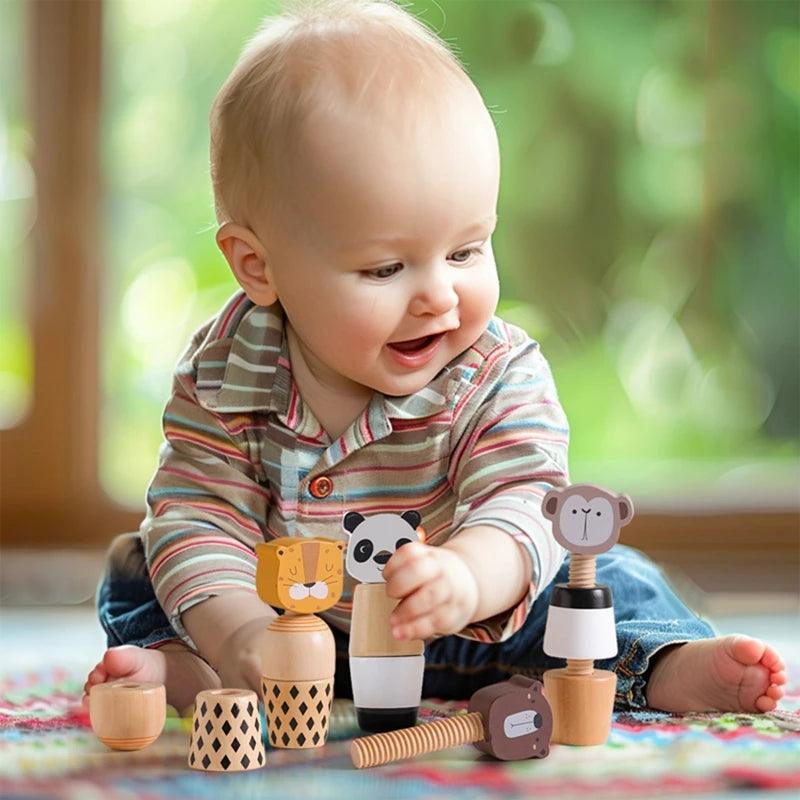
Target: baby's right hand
240 664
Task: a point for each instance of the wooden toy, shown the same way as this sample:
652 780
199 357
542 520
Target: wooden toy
299 654
226 732
127 715
510 720
386 674
580 620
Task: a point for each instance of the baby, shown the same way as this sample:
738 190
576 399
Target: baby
360 368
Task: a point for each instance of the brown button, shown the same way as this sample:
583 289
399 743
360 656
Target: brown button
321 487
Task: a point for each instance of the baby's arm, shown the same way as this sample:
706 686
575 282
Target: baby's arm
207 510
478 574
227 631
509 448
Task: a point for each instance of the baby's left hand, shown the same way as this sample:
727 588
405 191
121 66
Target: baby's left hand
437 590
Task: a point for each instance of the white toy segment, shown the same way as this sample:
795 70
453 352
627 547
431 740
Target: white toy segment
382 682
580 633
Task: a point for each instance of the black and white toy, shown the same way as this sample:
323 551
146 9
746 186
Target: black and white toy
386 674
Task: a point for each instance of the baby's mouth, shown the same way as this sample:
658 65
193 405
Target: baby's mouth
413 345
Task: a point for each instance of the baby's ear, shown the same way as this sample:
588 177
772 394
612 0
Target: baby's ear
247 259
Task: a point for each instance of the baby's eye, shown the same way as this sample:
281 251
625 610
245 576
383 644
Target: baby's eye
463 256
385 272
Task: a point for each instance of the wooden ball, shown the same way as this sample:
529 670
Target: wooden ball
127 715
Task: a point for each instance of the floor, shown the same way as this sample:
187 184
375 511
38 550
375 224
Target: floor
698 756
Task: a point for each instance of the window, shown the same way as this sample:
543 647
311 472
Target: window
648 238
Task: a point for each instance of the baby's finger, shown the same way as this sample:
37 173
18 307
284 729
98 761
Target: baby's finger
404 556
423 601
420 628
415 573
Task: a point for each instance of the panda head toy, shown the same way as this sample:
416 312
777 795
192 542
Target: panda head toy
373 541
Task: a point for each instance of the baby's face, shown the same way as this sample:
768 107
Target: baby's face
386 238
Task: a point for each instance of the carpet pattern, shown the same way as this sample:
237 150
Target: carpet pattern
47 749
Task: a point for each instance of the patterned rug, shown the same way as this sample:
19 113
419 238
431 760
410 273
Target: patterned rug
48 750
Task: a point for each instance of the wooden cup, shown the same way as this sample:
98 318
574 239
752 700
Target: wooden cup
127 715
226 732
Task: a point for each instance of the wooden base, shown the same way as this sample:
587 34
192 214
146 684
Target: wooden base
127 715
582 705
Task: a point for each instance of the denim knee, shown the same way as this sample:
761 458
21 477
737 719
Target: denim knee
126 603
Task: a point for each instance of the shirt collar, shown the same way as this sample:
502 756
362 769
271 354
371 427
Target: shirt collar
243 366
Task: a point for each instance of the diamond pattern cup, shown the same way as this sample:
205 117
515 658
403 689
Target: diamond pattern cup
226 732
298 712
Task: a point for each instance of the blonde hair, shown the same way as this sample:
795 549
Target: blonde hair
315 54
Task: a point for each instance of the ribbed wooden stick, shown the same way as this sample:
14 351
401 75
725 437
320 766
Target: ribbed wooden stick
580 666
582 571
381 748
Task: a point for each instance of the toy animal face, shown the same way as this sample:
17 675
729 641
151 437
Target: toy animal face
586 519
374 540
300 575
519 720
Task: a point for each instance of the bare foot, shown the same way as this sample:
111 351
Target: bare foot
730 673
182 672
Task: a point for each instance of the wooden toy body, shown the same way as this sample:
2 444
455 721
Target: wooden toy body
386 674
226 732
582 704
298 664
580 619
127 715
580 628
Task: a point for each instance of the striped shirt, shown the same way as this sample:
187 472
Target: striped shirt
479 445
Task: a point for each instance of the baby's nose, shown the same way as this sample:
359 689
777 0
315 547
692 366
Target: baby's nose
435 295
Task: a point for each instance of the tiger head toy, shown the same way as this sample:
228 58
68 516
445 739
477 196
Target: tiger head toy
300 575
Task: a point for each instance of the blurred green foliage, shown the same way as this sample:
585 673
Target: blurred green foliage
649 222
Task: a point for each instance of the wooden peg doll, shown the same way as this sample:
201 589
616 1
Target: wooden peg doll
580 620
386 674
302 576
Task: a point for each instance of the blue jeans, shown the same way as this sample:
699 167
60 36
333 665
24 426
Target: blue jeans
648 615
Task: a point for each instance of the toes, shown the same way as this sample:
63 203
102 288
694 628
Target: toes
765 703
771 660
119 662
775 692
97 675
778 678
745 649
